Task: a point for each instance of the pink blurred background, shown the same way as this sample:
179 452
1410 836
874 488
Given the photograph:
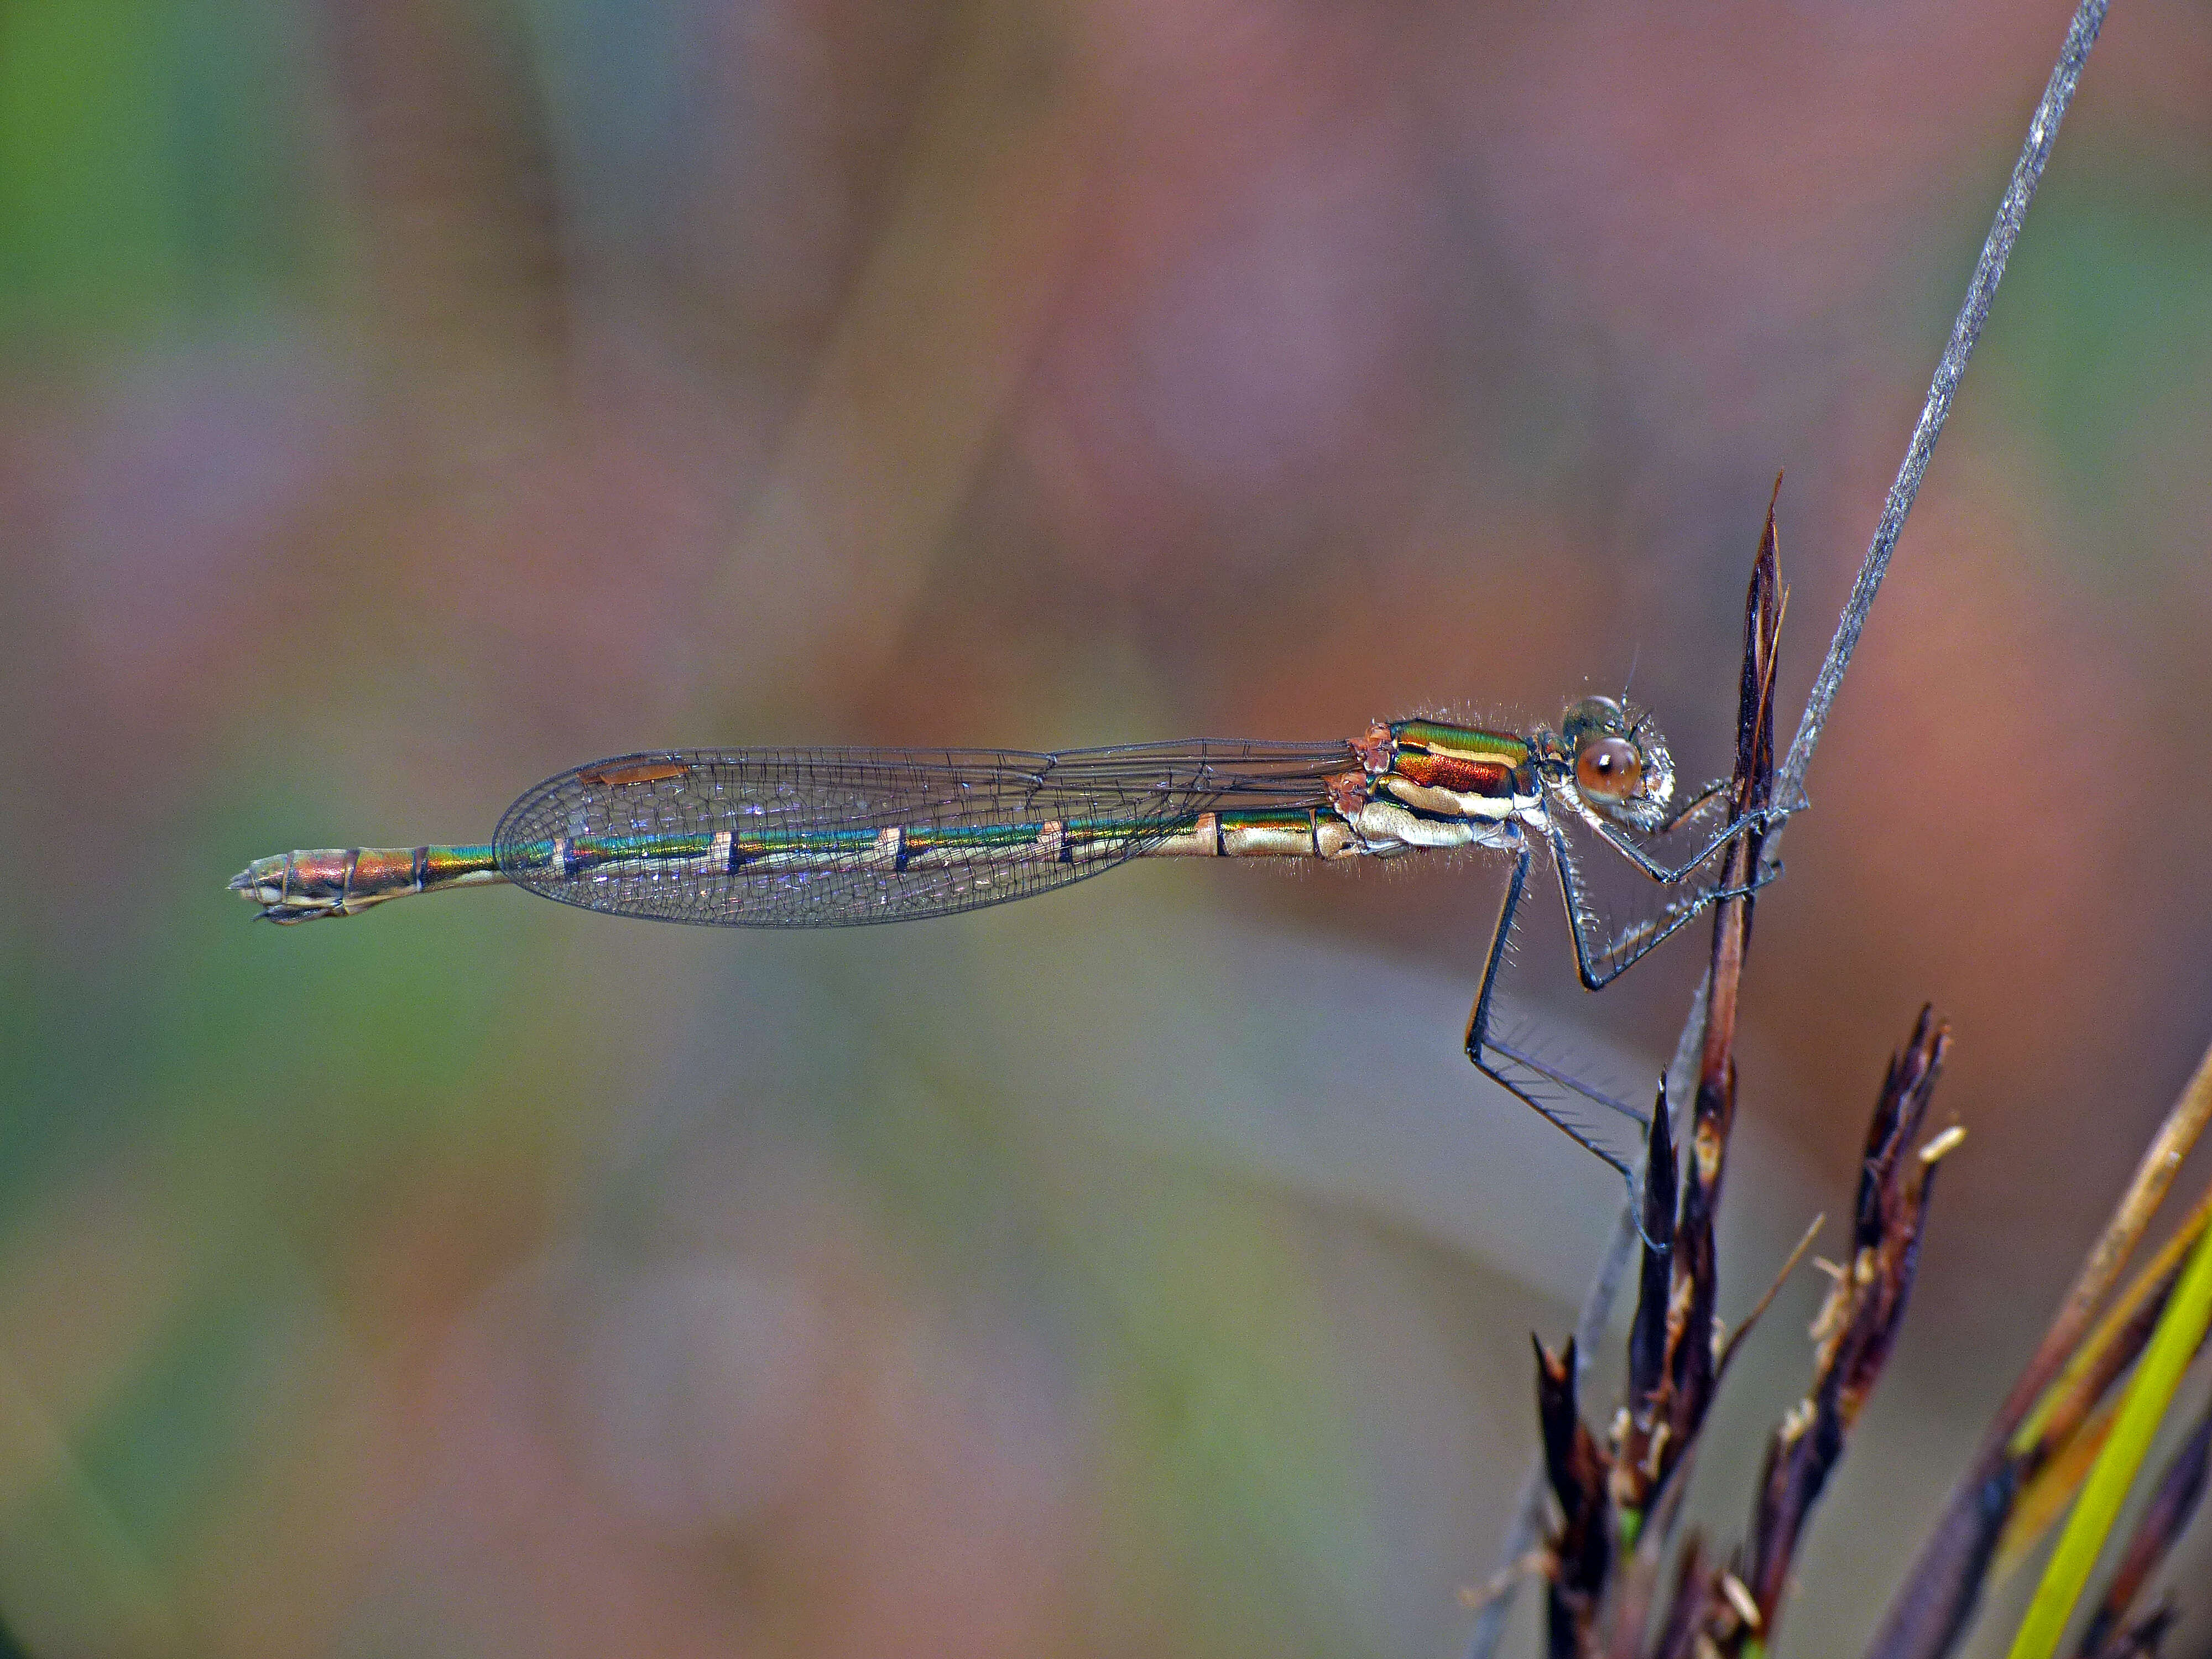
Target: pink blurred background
402 403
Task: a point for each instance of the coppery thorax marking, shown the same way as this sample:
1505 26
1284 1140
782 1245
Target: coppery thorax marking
1350 791
1377 750
1456 773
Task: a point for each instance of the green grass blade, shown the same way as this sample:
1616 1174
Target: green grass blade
2179 1330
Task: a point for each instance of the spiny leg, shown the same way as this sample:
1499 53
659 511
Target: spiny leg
1668 874
1693 804
1490 1054
1599 961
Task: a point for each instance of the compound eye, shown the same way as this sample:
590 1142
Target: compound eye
1592 714
1609 768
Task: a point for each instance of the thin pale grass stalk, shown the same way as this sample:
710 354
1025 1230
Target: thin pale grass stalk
1774 1288
2181 1329
1950 368
2146 1290
1940 1593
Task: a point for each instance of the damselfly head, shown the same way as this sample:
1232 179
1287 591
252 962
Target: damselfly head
1619 762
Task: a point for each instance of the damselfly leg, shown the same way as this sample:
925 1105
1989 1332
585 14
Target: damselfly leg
1550 1091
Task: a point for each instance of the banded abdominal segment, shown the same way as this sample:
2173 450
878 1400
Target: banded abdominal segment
340 881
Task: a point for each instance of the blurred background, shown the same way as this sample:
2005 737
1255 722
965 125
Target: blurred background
401 403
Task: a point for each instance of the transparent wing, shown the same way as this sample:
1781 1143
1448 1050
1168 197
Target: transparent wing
829 837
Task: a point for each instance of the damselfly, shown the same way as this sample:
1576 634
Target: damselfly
828 837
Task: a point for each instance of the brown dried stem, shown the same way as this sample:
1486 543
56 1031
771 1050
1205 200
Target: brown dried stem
1607 1497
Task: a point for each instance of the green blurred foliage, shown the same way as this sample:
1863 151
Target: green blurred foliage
158 165
2116 384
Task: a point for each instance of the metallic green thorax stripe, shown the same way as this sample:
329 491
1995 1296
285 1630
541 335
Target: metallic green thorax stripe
1468 742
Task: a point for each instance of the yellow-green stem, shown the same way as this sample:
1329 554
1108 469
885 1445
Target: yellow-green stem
2180 1328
